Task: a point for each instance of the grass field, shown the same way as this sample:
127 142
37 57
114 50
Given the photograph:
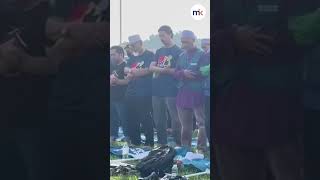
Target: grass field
185 171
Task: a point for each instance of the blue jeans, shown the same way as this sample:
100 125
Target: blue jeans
118 116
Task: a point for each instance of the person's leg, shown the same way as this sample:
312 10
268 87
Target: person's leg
185 117
122 114
75 140
207 114
169 121
194 122
133 121
113 121
147 124
200 118
11 164
284 162
159 116
175 122
312 143
26 141
241 163
78 150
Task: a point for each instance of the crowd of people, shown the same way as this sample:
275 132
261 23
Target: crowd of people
150 91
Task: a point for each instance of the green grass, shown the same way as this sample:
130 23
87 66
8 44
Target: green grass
124 178
185 171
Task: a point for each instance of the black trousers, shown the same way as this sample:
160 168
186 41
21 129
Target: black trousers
139 109
21 154
312 144
12 165
76 138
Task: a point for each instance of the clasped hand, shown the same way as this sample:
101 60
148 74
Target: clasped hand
10 58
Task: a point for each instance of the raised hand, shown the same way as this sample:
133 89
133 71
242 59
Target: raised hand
189 74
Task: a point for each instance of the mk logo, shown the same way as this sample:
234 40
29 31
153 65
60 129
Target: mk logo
197 13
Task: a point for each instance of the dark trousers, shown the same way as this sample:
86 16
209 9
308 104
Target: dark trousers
312 144
23 154
160 107
118 117
75 139
139 109
30 146
12 165
207 113
114 121
252 163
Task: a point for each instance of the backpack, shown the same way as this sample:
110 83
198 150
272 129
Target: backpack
159 160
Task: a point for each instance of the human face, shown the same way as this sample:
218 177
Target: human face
137 46
187 43
115 56
129 50
165 38
205 47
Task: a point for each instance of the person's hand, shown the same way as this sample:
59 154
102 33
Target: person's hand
151 68
169 70
113 80
248 39
127 70
9 57
130 76
133 71
189 74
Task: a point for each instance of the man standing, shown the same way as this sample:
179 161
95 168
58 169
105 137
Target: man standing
28 86
129 51
164 86
190 98
205 71
118 85
258 85
139 93
205 45
307 37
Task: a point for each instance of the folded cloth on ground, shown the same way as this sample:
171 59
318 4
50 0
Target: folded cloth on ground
137 153
193 156
201 164
181 151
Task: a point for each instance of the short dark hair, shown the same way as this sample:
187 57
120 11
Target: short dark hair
166 29
118 49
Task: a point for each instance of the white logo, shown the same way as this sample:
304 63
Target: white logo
198 12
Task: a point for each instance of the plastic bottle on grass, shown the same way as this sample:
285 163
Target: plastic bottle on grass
174 170
125 151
